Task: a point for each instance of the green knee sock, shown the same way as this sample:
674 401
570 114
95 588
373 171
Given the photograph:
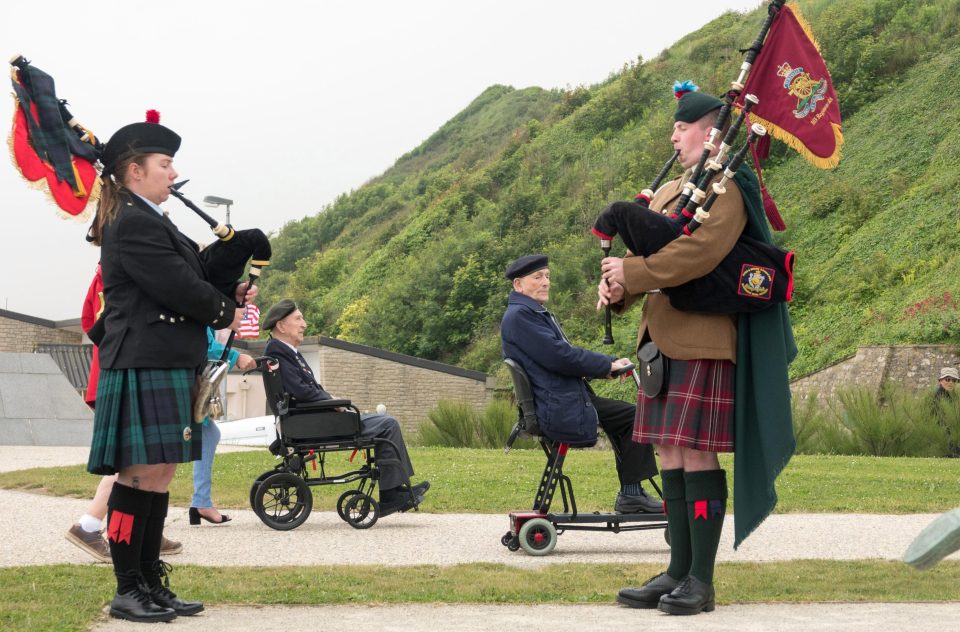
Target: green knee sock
674 501
706 506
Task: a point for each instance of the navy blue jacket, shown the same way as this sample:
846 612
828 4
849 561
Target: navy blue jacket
532 337
296 376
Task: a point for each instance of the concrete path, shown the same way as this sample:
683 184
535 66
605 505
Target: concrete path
443 539
37 523
863 617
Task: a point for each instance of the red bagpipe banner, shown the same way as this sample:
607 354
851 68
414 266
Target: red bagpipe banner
798 104
45 144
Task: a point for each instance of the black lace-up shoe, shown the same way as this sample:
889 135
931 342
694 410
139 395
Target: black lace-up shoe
137 605
158 582
692 596
648 595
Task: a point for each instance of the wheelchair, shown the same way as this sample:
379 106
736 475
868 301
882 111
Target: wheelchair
306 434
536 531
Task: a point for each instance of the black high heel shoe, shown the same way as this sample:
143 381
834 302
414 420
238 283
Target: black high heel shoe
196 516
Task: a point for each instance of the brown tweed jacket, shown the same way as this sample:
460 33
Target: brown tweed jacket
687 335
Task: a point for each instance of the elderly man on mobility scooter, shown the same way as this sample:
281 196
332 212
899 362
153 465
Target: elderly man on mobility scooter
567 408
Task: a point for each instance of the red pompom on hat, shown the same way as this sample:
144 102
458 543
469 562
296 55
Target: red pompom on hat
153 116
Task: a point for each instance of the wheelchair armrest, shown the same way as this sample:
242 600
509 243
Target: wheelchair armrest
324 404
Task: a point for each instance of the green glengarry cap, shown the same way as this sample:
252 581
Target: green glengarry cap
693 106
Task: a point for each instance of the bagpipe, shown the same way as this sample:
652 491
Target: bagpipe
754 275
225 260
51 149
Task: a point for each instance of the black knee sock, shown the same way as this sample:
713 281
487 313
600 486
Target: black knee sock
127 515
153 537
675 504
706 506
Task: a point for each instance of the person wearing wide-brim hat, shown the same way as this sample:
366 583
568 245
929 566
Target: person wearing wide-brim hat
723 373
946 382
153 344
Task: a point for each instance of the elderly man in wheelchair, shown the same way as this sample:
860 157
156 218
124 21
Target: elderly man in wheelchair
567 409
286 326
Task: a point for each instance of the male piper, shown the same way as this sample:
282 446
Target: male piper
725 371
567 408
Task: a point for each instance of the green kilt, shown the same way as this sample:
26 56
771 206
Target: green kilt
143 416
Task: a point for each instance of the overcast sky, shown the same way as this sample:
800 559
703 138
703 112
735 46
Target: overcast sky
283 106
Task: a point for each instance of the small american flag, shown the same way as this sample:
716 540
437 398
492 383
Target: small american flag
250 325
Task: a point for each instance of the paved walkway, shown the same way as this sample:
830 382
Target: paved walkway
866 617
36 523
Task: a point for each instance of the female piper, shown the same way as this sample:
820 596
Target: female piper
159 307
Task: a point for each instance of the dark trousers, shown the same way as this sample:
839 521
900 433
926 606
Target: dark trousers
635 461
386 427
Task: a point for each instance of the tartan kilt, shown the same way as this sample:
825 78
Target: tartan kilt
695 412
141 417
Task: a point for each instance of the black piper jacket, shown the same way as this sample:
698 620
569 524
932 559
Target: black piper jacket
159 302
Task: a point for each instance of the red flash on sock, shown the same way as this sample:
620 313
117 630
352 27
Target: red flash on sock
699 509
120 527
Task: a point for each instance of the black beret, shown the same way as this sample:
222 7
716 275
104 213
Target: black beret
278 312
525 265
693 106
143 138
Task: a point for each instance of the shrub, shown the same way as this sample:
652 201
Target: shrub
893 423
455 424
878 428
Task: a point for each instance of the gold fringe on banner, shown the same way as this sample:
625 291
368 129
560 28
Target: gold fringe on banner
828 162
41 184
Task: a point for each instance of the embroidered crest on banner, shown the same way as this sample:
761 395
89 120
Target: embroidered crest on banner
806 89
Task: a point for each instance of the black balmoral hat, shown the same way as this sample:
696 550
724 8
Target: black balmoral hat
149 137
278 312
525 265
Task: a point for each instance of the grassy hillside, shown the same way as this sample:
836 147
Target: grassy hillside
413 260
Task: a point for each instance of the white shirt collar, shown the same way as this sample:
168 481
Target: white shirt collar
150 204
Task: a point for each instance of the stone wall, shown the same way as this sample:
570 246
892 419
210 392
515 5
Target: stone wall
914 367
409 387
20 334
408 392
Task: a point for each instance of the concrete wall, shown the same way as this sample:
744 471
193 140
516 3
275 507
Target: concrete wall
913 366
409 387
38 406
19 334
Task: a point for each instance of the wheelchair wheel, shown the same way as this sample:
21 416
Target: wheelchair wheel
283 501
256 486
342 502
538 536
361 511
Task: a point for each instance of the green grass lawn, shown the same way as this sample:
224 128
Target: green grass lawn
488 481
71 597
